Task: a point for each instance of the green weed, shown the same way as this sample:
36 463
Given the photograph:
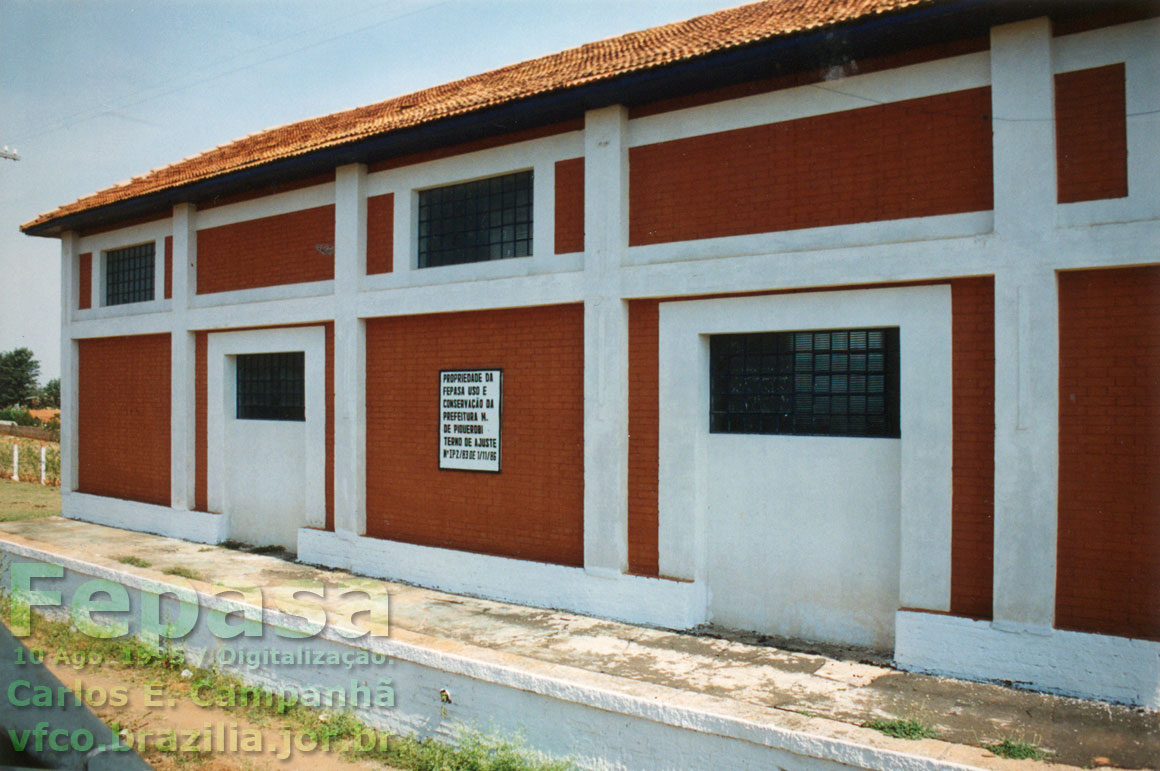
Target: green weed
902 729
183 572
1014 750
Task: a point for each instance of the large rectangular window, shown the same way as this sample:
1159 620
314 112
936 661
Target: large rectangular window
836 382
129 274
271 386
488 219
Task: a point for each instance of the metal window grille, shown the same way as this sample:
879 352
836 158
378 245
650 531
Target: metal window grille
488 219
271 386
129 275
821 382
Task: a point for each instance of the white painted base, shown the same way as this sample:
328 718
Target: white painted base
636 599
1115 669
197 526
599 721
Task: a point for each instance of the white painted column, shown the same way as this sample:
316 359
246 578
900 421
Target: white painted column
183 364
350 259
69 283
1026 328
159 269
1026 447
1023 115
97 280
605 341
405 226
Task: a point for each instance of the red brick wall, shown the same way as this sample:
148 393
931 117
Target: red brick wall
201 419
380 233
973 445
643 433
570 206
123 418
85 279
282 249
1091 134
168 267
1108 578
534 508
914 158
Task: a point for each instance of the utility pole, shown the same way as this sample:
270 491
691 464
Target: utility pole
9 154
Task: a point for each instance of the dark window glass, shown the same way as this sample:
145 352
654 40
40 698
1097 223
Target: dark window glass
129 275
835 382
271 386
489 219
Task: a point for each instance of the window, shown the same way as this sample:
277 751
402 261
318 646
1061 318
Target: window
489 219
129 275
271 386
822 382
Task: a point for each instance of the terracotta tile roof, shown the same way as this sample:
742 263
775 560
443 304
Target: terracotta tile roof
589 63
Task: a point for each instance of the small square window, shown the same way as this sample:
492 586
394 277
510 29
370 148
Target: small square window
822 383
129 274
271 386
488 219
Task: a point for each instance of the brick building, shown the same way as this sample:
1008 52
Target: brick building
836 321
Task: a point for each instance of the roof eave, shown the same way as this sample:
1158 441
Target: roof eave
857 39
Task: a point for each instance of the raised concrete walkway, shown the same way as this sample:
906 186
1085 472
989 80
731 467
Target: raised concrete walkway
613 694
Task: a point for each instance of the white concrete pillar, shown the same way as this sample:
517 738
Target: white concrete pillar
1026 447
97 279
159 269
184 256
605 341
350 259
1026 327
69 283
1023 115
350 227
183 364
406 224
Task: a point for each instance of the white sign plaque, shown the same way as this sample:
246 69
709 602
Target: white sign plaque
469 419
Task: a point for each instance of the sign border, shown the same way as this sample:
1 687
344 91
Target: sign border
439 422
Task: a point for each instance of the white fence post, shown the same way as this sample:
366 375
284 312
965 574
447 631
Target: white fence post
43 477
15 462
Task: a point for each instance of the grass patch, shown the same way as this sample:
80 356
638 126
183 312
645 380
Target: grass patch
902 729
1016 750
474 751
135 561
26 500
192 575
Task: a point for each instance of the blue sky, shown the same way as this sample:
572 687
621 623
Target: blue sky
92 93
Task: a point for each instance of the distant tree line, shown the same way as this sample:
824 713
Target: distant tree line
19 389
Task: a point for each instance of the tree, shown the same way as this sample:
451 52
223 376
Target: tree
19 372
50 393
